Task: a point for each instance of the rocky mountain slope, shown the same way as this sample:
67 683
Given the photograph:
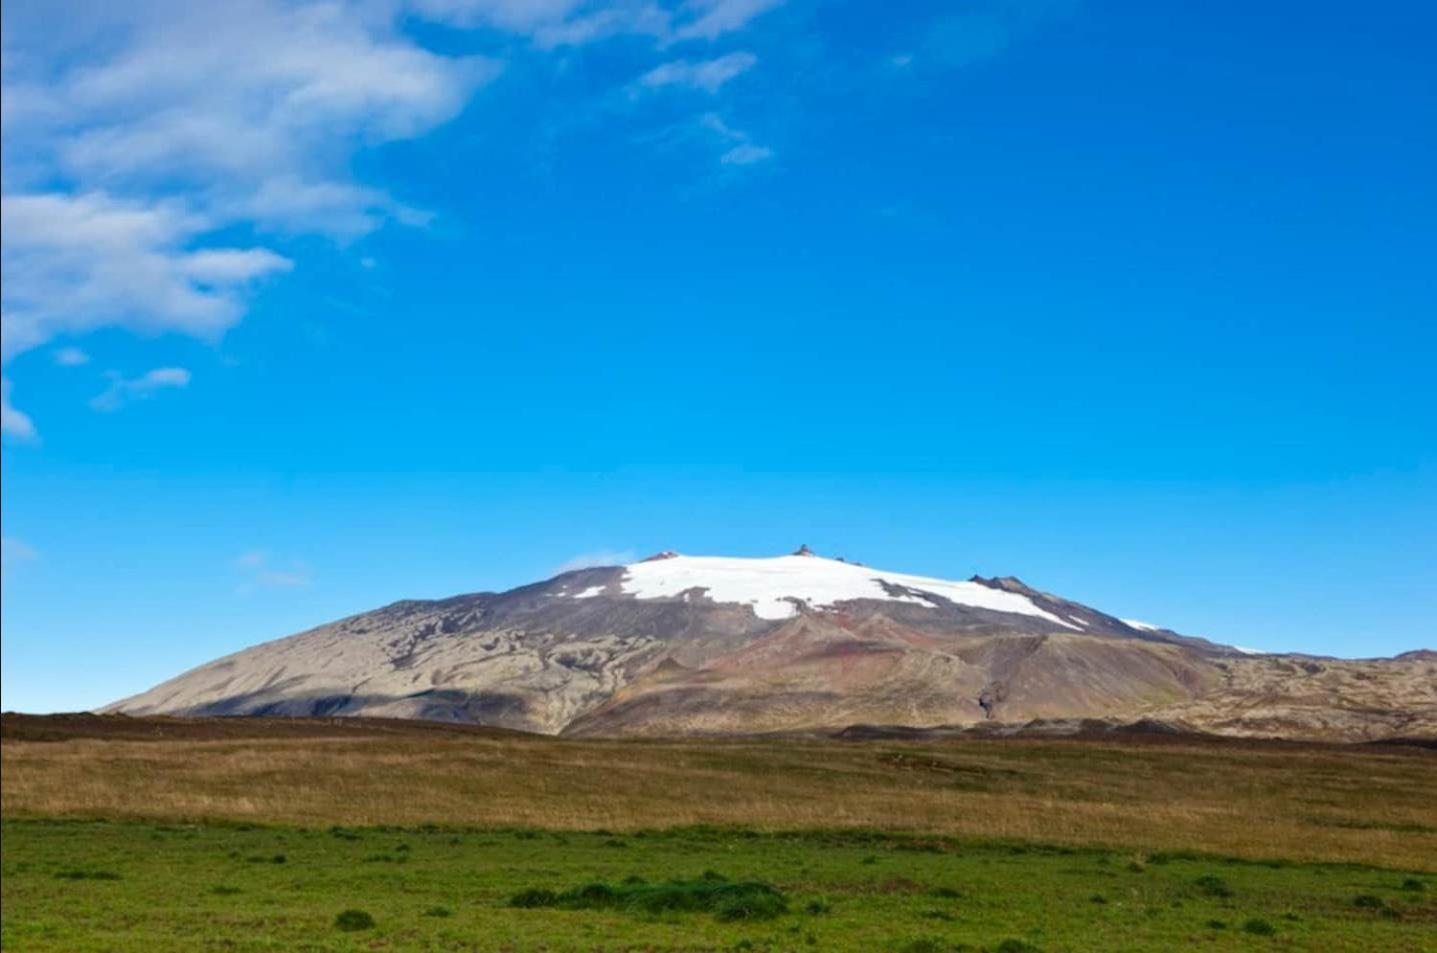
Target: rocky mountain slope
679 644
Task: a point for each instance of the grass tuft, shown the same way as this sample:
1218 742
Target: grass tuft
353 920
727 901
1258 927
87 875
1015 946
1213 886
536 897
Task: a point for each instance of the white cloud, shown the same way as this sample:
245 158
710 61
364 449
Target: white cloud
70 357
259 571
552 23
124 390
74 263
746 154
242 104
13 422
741 149
142 138
713 18
707 75
602 557
134 133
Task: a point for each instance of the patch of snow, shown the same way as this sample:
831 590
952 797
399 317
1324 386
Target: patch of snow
1145 626
769 585
1247 651
590 592
1078 622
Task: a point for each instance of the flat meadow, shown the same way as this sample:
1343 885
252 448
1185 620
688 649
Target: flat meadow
173 835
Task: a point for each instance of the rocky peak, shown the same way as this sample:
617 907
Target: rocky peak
1005 583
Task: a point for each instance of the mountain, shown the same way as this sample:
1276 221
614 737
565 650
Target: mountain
699 644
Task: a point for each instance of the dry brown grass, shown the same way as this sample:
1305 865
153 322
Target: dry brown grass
1270 801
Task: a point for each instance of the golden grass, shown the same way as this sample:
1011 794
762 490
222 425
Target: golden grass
1300 803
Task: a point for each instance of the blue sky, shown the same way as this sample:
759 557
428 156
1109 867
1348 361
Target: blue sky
311 307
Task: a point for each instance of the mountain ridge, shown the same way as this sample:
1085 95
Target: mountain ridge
691 644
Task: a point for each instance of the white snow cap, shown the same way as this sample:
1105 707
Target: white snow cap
769 586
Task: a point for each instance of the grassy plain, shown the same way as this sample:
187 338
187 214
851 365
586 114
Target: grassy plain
138 886
259 837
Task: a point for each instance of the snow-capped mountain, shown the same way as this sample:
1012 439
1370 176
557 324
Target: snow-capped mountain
719 644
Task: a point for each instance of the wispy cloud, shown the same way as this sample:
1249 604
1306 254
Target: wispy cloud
553 23
746 154
123 390
706 75
71 357
74 263
741 149
133 140
259 571
12 421
601 557
143 141
709 19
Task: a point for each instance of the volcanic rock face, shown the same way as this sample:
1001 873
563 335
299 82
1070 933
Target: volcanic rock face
677 644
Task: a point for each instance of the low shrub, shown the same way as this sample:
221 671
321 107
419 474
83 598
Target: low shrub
1258 927
352 920
749 902
724 900
87 875
1213 886
1015 946
537 897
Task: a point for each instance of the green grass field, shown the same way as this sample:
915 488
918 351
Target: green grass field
151 835
137 886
